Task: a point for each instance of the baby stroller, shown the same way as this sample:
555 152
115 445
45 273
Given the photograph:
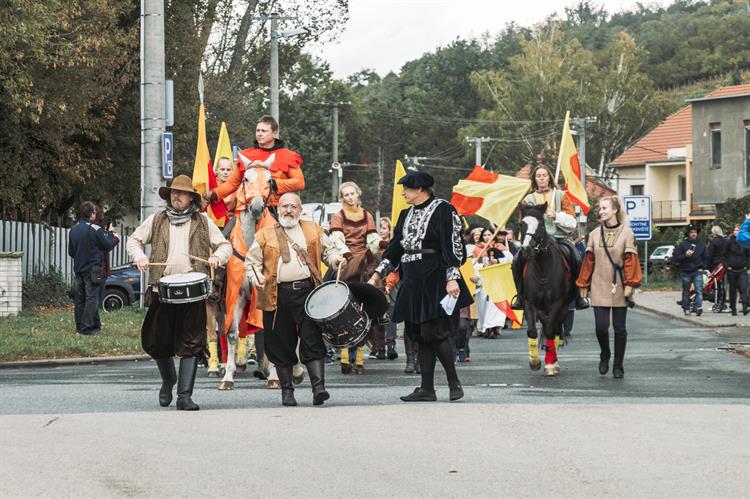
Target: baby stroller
713 287
713 283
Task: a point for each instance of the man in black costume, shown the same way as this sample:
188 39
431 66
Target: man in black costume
428 248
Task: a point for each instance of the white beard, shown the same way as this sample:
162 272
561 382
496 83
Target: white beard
288 222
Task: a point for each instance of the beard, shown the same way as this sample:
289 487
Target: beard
288 221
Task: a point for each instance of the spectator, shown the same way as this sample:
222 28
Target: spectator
85 244
106 269
744 235
737 261
690 255
714 256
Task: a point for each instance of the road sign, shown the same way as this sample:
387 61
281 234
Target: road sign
638 211
167 154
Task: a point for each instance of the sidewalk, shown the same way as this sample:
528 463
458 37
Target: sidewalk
664 303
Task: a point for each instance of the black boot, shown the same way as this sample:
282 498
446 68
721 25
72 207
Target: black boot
517 303
185 384
287 386
409 347
605 352
168 380
621 339
316 370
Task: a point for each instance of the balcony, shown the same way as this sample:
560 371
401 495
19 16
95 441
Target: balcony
669 211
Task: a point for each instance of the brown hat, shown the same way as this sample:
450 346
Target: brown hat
180 183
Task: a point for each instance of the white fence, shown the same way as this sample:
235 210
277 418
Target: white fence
45 247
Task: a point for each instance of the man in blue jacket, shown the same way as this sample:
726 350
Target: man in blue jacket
690 255
85 244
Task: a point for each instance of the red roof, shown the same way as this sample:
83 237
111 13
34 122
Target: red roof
727 91
676 131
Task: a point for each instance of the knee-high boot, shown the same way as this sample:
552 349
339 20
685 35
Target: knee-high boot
316 370
168 380
447 357
621 339
287 385
605 353
409 347
185 384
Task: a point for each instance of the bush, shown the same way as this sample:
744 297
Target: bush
46 289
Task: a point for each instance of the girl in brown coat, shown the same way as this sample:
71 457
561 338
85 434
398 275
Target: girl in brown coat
610 279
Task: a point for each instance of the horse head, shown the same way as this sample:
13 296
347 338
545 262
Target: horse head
256 184
533 232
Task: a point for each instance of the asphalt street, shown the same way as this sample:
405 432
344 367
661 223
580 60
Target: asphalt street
677 425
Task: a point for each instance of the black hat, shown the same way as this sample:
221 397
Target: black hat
692 227
415 179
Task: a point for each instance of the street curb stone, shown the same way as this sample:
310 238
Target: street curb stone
20 364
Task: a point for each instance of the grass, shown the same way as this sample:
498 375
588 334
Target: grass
51 334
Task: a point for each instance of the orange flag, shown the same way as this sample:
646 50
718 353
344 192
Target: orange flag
497 281
570 166
489 195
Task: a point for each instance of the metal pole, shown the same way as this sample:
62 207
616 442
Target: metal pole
645 259
477 151
335 154
380 186
274 67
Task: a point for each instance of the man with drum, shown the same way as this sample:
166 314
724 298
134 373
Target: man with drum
428 247
283 263
181 239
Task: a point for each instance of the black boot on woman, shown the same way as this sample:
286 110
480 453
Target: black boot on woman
605 354
621 339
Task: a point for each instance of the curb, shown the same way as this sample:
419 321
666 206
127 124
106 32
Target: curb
20 364
682 318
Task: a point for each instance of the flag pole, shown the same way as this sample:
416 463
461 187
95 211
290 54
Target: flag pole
559 153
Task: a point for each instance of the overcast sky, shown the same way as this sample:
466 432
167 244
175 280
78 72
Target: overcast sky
384 34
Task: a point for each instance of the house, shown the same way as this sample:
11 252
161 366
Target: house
657 165
697 158
721 144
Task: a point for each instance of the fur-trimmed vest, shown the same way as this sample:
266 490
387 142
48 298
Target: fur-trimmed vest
199 244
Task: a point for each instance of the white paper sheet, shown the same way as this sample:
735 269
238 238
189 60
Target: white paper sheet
448 303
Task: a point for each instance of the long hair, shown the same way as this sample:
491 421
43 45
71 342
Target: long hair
614 202
552 183
388 223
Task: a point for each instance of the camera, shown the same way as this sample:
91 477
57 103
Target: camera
630 302
692 247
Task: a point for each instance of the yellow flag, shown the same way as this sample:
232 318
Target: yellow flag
202 157
398 203
467 272
224 146
570 166
490 195
497 282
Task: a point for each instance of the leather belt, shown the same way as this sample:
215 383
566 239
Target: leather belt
424 251
296 285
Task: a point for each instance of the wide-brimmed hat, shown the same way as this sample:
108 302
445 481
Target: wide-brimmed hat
180 183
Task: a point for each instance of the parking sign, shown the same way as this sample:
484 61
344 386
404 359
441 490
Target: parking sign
638 211
167 148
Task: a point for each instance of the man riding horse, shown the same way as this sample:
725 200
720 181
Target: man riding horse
559 221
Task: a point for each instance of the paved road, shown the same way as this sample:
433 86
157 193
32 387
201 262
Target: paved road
677 425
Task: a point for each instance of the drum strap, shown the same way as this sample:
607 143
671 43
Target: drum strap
301 253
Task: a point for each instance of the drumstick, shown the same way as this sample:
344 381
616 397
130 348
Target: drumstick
157 264
199 259
338 273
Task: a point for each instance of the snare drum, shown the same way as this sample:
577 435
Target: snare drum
340 317
185 287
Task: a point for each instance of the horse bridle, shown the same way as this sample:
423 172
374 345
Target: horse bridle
540 239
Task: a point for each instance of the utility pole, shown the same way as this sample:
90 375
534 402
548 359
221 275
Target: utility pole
478 141
580 124
275 35
337 172
380 186
152 103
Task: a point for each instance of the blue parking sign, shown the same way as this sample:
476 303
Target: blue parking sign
638 211
167 154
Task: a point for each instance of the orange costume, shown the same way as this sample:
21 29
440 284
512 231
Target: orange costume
286 171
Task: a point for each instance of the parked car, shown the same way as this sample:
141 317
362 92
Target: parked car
314 212
122 288
661 257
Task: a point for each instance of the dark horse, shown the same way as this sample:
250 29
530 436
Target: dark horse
547 288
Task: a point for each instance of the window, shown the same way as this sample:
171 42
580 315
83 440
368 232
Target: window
715 145
682 187
636 190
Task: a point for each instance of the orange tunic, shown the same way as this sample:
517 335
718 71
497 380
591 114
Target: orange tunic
286 171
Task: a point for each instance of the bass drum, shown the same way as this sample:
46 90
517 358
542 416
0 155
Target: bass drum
340 317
